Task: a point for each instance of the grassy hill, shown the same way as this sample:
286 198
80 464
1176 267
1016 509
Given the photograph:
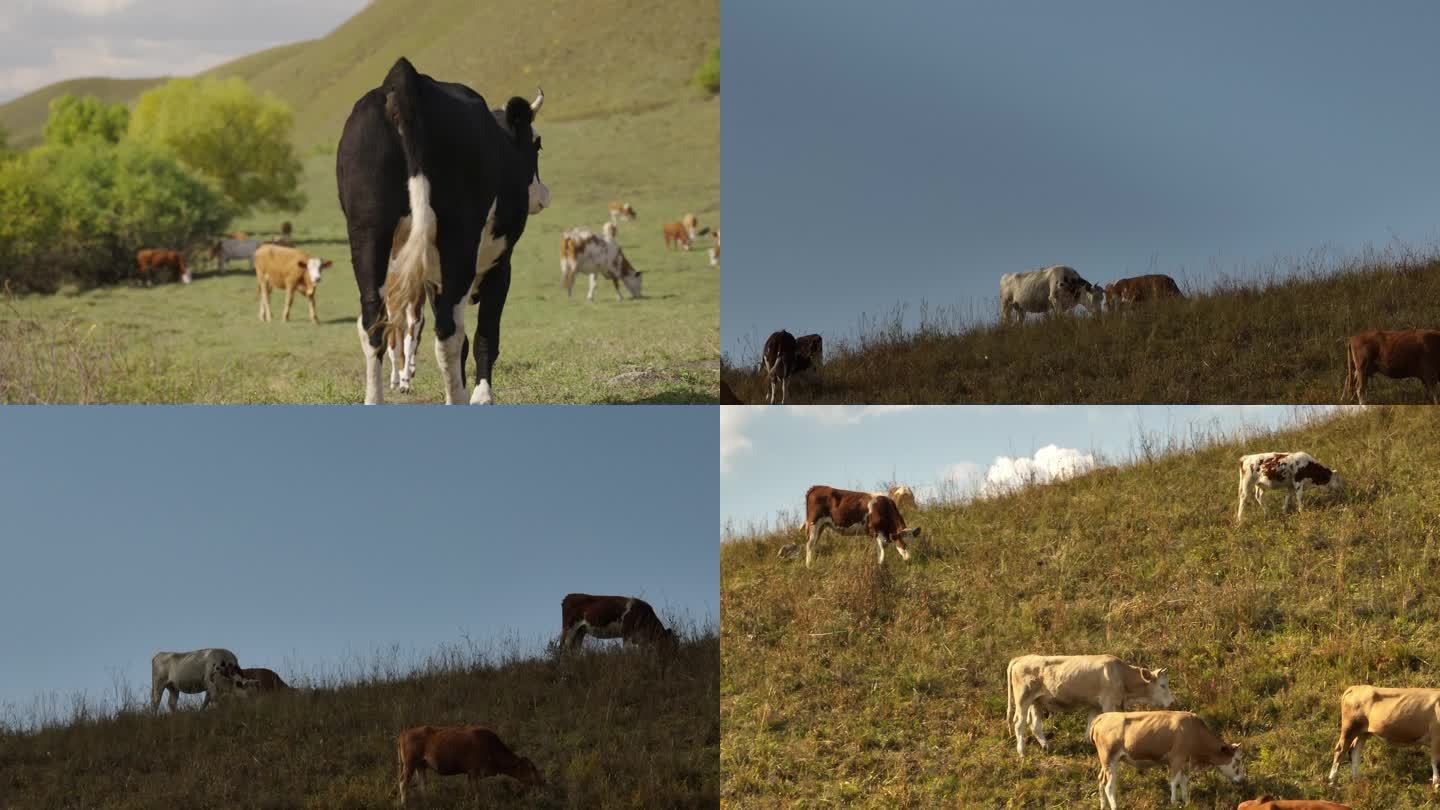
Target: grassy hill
621 121
24 118
859 685
604 728
1276 339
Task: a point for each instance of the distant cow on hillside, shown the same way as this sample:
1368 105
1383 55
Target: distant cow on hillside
623 617
1052 289
1141 289
1038 685
1398 355
266 680
214 671
475 751
149 260
855 513
1288 472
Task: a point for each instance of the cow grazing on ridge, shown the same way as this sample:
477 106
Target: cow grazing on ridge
149 260
469 177
1179 740
1053 289
783 358
1287 472
214 671
1272 803
623 617
855 513
1037 685
290 269
475 751
1397 716
1398 355
265 680
1141 289
903 496
582 251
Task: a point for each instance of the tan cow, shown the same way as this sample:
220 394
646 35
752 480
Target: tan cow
1037 685
903 496
675 235
290 269
1397 716
1272 803
1179 740
854 513
475 751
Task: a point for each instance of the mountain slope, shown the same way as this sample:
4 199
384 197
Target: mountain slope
883 686
24 117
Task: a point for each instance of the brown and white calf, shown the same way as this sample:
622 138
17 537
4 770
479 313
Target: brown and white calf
582 251
607 617
404 327
715 251
1288 472
1179 740
1397 716
621 211
475 751
852 513
1039 685
290 269
1272 803
684 232
265 680
1398 355
1141 289
149 260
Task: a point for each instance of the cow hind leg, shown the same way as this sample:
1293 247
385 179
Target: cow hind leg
493 290
1037 727
880 544
371 257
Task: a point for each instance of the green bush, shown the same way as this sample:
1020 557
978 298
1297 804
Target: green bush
83 119
77 214
708 76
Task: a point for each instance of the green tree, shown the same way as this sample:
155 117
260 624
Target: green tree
83 119
224 131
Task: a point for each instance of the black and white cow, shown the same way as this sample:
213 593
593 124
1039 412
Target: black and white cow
469 177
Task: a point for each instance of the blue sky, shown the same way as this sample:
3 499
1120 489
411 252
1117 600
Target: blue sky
769 456
886 153
303 538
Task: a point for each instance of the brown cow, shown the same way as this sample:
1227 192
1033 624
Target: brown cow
265 680
783 358
149 260
1180 740
1397 716
475 751
289 269
1398 355
854 513
622 617
675 235
1140 289
1271 803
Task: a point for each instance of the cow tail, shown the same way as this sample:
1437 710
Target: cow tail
567 261
418 261
1009 702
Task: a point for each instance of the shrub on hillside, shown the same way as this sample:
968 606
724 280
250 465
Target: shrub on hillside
707 77
79 213
85 119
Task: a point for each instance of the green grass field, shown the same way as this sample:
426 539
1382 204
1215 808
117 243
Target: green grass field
605 729
621 121
1273 339
856 685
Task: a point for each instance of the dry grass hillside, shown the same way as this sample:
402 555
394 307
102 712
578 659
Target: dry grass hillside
605 729
859 685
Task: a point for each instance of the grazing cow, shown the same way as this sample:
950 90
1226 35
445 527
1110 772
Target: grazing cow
1180 740
1037 685
623 617
727 396
402 344
227 249
1140 289
811 348
675 235
1272 803
266 680
903 496
715 251
782 359
290 269
1397 716
1288 472
149 260
1052 289
854 513
1398 355
582 251
621 211
214 671
475 751
469 177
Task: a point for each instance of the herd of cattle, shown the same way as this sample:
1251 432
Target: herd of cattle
436 189
475 751
1038 686
1401 354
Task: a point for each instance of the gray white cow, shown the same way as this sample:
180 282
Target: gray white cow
214 671
1053 289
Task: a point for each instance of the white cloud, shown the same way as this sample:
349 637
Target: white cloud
1050 463
834 415
733 440
94 56
92 8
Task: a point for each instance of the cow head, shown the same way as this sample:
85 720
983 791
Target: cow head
630 276
312 268
1230 763
526 773
520 122
1090 296
899 538
1157 688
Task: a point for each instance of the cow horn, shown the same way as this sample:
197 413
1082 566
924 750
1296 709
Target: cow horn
539 100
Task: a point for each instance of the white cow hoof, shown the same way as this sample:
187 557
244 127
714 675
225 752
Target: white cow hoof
482 395
403 388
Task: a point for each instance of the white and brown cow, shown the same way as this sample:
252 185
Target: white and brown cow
1397 716
1287 472
1052 289
855 513
214 671
1038 685
404 319
583 251
623 617
621 211
1179 740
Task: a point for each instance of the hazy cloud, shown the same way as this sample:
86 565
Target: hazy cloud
733 440
1050 463
844 414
